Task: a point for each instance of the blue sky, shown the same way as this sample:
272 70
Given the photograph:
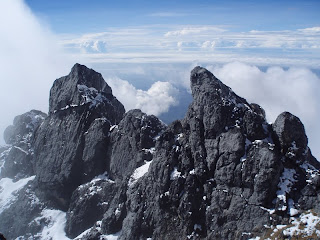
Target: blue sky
80 16
266 51
259 32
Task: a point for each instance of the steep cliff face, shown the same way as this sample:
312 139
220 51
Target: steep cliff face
69 146
222 172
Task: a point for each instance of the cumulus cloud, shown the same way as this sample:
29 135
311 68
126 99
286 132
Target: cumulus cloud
97 46
277 90
29 62
156 100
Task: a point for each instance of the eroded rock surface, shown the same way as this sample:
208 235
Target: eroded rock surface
222 172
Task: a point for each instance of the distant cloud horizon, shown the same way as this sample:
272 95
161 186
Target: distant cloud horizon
146 65
169 43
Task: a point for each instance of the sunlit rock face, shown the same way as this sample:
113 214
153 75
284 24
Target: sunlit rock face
93 171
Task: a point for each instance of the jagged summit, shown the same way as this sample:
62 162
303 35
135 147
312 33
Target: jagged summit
222 172
81 86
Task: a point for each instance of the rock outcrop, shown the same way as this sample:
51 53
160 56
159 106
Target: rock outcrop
222 172
19 137
69 146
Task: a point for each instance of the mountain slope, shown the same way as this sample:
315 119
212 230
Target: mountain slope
222 172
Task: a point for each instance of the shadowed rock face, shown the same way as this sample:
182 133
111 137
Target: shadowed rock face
69 147
222 172
18 155
77 88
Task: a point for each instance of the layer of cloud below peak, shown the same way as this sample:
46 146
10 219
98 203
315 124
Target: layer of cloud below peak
156 100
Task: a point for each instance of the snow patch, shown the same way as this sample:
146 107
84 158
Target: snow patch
3 156
175 174
311 171
286 182
93 187
19 148
110 237
139 172
9 189
307 225
149 150
54 230
113 127
90 95
102 237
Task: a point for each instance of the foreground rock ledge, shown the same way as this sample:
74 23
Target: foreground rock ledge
222 172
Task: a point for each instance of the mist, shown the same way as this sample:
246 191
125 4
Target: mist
30 61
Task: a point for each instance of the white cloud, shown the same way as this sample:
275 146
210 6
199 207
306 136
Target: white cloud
94 46
195 30
156 100
311 30
208 44
178 43
29 62
277 90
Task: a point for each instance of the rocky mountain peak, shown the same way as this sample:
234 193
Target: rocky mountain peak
23 126
81 86
222 172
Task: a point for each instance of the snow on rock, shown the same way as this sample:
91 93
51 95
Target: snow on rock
286 181
110 237
94 186
175 174
3 156
54 229
139 172
305 227
311 172
97 227
90 95
8 190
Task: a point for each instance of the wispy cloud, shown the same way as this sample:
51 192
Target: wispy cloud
209 43
195 30
311 30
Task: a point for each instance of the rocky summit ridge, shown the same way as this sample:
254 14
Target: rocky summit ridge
90 170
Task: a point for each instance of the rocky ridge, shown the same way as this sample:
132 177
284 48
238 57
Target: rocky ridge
222 172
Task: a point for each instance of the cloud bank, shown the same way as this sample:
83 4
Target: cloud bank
186 43
30 60
156 100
